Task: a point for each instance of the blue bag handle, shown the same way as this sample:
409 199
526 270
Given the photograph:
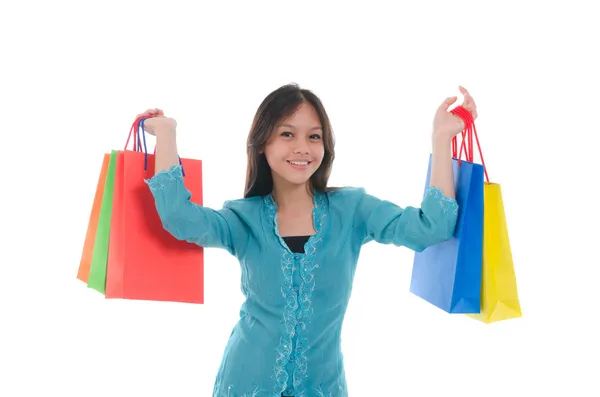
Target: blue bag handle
141 127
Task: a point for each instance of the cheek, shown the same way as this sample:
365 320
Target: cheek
274 156
319 153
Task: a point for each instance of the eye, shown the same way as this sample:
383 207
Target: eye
315 136
286 132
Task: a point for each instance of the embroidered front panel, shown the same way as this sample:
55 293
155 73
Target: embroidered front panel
298 307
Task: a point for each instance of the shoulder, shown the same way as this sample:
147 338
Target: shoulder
246 209
347 199
241 214
351 206
355 200
351 196
346 194
244 204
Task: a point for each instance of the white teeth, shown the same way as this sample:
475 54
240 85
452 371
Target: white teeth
299 162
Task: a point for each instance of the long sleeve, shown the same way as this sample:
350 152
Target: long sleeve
189 221
415 228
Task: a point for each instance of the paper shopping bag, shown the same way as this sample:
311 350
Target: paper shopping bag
499 295
90 236
146 262
117 238
448 275
97 274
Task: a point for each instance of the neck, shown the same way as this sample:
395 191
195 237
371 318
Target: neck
288 196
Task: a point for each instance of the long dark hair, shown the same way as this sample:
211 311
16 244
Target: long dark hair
280 104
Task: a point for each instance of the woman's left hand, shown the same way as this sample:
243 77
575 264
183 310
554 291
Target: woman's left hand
445 124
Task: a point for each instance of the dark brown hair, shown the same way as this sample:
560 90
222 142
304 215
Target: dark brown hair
280 104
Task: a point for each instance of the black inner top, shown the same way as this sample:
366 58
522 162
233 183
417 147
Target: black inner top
296 243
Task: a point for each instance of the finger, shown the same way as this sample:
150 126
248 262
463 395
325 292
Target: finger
447 102
469 103
156 112
468 99
466 102
465 93
149 113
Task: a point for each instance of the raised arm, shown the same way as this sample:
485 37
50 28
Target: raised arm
188 221
181 217
415 228
435 220
445 127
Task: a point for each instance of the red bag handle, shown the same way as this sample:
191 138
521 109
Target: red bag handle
138 125
137 145
467 137
468 120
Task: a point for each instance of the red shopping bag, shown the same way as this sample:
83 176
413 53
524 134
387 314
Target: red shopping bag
145 261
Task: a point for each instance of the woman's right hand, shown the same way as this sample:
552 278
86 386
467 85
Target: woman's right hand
157 122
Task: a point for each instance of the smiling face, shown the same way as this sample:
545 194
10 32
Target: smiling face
295 149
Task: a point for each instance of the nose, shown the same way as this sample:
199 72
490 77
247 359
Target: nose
301 147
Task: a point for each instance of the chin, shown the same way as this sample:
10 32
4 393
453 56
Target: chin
294 179
297 181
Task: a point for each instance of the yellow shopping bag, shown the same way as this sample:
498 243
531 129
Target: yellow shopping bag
499 295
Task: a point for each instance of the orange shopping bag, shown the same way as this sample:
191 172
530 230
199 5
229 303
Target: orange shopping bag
145 261
90 236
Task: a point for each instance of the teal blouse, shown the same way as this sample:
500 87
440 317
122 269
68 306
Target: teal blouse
288 338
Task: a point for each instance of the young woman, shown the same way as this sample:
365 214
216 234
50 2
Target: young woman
297 240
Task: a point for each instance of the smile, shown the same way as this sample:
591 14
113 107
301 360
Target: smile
299 164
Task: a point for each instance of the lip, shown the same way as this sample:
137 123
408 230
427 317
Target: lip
299 167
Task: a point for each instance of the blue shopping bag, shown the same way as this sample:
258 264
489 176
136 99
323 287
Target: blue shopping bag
448 275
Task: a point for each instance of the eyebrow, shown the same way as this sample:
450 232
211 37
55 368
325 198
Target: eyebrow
291 126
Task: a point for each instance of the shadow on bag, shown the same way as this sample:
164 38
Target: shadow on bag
448 275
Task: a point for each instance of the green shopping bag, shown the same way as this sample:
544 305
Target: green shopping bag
97 276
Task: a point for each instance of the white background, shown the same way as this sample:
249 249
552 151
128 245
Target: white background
74 75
